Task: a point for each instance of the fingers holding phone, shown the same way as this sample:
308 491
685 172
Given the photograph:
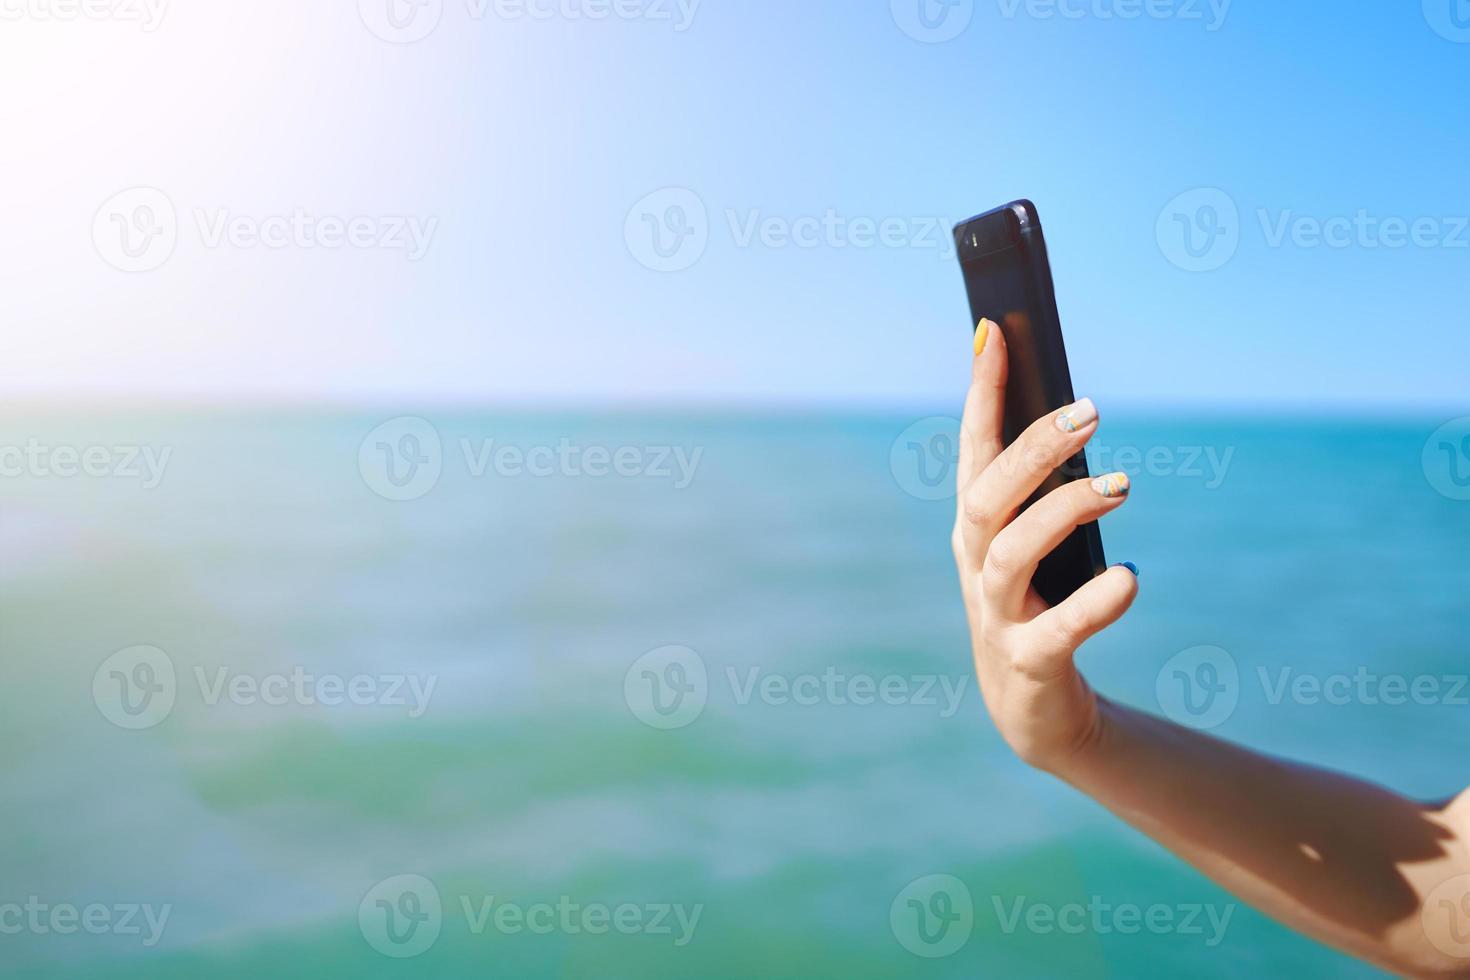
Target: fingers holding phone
1023 647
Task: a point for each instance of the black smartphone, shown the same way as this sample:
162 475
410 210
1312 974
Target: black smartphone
1008 278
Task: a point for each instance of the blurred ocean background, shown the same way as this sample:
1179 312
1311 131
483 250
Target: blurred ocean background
594 693
797 548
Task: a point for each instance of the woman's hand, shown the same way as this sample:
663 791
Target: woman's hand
1023 648
1366 870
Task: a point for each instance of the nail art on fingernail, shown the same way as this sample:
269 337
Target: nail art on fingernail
1130 566
1077 416
1112 485
982 334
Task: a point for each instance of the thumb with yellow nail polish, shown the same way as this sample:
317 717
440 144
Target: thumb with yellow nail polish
982 334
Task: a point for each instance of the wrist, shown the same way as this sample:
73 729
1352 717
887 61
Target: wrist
1086 751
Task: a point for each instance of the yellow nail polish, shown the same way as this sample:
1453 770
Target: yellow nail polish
982 334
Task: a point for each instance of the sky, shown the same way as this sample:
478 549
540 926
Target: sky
742 202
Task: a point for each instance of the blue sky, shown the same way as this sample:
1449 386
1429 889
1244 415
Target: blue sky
528 141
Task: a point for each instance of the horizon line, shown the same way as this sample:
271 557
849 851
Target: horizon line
407 404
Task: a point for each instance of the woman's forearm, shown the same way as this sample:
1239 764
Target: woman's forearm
1342 860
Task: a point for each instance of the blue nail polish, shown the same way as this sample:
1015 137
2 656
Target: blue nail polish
1130 566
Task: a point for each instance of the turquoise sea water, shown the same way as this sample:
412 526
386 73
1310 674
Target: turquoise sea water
794 568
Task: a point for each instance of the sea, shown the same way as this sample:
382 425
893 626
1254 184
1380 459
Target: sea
293 692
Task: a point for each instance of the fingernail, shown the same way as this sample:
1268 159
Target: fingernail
1077 416
1112 485
982 334
1128 565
